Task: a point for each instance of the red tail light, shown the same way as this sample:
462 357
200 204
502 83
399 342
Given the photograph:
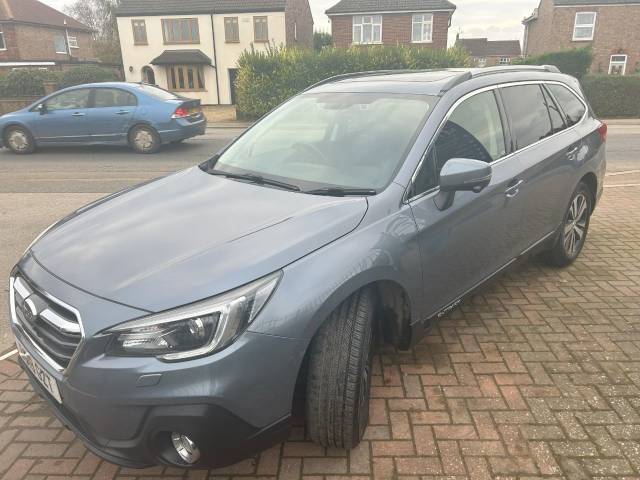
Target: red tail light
602 130
180 113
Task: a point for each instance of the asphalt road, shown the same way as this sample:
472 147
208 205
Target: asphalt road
38 189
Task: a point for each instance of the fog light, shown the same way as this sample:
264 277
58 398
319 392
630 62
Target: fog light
185 447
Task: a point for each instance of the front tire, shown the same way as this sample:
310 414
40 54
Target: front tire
339 375
19 140
144 139
574 229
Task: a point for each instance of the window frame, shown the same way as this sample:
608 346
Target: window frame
422 24
231 20
191 41
4 41
257 18
198 68
143 25
361 25
577 25
504 61
66 45
72 41
618 63
511 151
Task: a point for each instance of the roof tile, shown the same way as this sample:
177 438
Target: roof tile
481 47
33 11
186 7
357 6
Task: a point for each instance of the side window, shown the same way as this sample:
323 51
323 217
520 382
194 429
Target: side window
110 97
474 130
73 100
557 123
528 112
572 107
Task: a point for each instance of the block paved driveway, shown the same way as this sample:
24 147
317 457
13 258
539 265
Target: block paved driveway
538 375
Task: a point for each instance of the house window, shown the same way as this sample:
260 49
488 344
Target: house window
73 41
60 43
584 26
618 65
139 32
180 30
185 78
231 30
260 29
422 28
482 62
3 45
504 61
367 29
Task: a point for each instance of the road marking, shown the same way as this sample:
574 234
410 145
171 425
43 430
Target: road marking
628 172
623 185
9 354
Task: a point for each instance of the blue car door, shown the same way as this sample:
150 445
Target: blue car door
64 118
112 113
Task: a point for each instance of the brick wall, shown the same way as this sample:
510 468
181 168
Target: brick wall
396 29
298 19
616 31
35 42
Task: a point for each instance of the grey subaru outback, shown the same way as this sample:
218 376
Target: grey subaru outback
172 322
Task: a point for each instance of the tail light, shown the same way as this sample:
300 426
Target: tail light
602 130
180 113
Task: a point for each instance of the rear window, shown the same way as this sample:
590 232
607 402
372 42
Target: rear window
528 113
157 92
573 108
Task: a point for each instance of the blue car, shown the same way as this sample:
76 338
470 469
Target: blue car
139 115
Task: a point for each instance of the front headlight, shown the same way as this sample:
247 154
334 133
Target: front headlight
196 329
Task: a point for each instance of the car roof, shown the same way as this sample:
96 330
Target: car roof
433 82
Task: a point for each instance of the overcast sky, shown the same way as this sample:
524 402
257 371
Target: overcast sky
494 19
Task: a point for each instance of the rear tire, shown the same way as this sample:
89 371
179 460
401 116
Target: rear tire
574 229
19 140
339 375
144 139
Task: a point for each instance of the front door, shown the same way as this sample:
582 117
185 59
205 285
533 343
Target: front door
65 118
111 115
233 76
478 234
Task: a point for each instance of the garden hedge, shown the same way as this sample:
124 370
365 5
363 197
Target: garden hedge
576 62
613 96
266 79
86 74
25 82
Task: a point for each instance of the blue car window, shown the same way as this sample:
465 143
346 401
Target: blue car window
72 100
113 97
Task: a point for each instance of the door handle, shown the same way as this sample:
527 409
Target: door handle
514 189
77 114
123 112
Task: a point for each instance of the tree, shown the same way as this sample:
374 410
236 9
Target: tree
321 40
100 16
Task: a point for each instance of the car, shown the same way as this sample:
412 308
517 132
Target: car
171 323
112 113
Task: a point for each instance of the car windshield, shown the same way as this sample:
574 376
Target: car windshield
157 92
346 140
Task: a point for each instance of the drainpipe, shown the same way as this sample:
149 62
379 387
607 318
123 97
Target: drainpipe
215 60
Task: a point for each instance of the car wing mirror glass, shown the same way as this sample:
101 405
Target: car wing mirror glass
461 174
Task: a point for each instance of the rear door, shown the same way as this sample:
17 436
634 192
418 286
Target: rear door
547 150
112 113
65 118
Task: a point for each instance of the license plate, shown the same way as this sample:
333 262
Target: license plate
194 111
47 381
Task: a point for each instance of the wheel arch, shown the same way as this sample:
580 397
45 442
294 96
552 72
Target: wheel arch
591 181
9 125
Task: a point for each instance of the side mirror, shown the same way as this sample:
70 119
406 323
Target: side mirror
42 108
461 174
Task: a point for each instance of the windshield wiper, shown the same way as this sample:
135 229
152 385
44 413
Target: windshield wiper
257 179
342 192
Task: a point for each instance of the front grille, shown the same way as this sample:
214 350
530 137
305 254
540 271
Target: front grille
52 325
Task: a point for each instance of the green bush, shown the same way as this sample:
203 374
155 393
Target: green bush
86 74
322 40
266 79
574 62
25 82
613 96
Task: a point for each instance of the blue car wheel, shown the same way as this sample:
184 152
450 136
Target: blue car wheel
144 139
19 140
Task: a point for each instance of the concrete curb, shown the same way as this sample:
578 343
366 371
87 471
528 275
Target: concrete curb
229 125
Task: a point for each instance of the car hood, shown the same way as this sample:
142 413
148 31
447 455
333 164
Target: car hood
189 236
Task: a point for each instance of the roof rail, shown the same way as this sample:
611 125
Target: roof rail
481 72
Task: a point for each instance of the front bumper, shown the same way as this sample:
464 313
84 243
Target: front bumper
232 403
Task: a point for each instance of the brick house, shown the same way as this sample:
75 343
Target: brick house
488 53
610 27
33 34
391 22
193 46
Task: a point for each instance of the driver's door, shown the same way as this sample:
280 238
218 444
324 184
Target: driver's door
479 233
65 118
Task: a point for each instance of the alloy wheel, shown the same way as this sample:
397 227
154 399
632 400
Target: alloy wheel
144 139
575 226
18 140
